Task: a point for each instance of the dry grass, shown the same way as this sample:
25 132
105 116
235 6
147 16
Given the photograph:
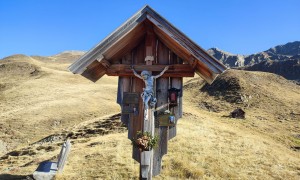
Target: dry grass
207 146
35 106
106 157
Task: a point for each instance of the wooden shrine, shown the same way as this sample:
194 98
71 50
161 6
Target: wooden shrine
148 42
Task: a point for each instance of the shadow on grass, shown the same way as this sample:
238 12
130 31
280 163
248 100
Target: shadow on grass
15 177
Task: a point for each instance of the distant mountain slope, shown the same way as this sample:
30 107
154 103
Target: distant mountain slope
228 59
272 60
289 49
63 57
60 61
289 69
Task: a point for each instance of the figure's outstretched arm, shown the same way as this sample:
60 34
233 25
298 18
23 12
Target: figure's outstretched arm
135 73
160 74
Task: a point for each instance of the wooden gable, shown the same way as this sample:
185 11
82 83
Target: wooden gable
105 57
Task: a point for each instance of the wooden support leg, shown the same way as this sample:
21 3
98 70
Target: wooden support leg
146 164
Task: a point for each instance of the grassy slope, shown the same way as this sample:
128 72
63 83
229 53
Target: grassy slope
33 106
207 145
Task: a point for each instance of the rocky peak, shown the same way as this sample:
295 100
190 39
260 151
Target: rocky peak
282 59
216 50
289 49
228 59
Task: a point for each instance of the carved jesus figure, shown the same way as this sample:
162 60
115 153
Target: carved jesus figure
148 93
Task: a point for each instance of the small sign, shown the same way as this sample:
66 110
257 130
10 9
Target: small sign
166 120
127 110
131 98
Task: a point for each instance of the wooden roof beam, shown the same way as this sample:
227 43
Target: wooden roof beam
175 70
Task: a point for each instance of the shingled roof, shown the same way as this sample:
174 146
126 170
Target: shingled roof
130 33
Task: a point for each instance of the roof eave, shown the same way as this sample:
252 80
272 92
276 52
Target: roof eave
207 62
79 66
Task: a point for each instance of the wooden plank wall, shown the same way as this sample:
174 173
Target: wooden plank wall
176 82
137 86
124 85
132 84
162 86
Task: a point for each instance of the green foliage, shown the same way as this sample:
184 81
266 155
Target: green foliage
144 141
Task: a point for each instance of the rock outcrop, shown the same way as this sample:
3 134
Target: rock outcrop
283 60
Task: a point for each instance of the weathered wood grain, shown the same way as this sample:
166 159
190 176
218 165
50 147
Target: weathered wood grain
175 74
183 41
148 113
176 83
84 61
170 43
138 85
124 84
146 158
175 70
126 43
132 32
95 72
162 85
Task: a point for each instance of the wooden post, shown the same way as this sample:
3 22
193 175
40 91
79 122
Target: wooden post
136 122
147 157
48 169
63 156
162 99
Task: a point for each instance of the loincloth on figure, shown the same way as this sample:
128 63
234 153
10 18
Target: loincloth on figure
148 94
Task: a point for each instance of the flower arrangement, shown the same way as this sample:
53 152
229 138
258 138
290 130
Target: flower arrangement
144 141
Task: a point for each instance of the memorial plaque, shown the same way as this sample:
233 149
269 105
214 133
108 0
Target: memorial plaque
127 110
131 98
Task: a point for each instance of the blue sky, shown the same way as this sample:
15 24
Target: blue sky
47 27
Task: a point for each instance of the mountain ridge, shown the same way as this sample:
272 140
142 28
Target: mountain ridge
283 60
288 51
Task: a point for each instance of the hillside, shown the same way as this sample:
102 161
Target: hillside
42 104
283 60
59 61
289 69
33 99
271 102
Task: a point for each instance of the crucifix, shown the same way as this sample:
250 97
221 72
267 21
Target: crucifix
148 93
